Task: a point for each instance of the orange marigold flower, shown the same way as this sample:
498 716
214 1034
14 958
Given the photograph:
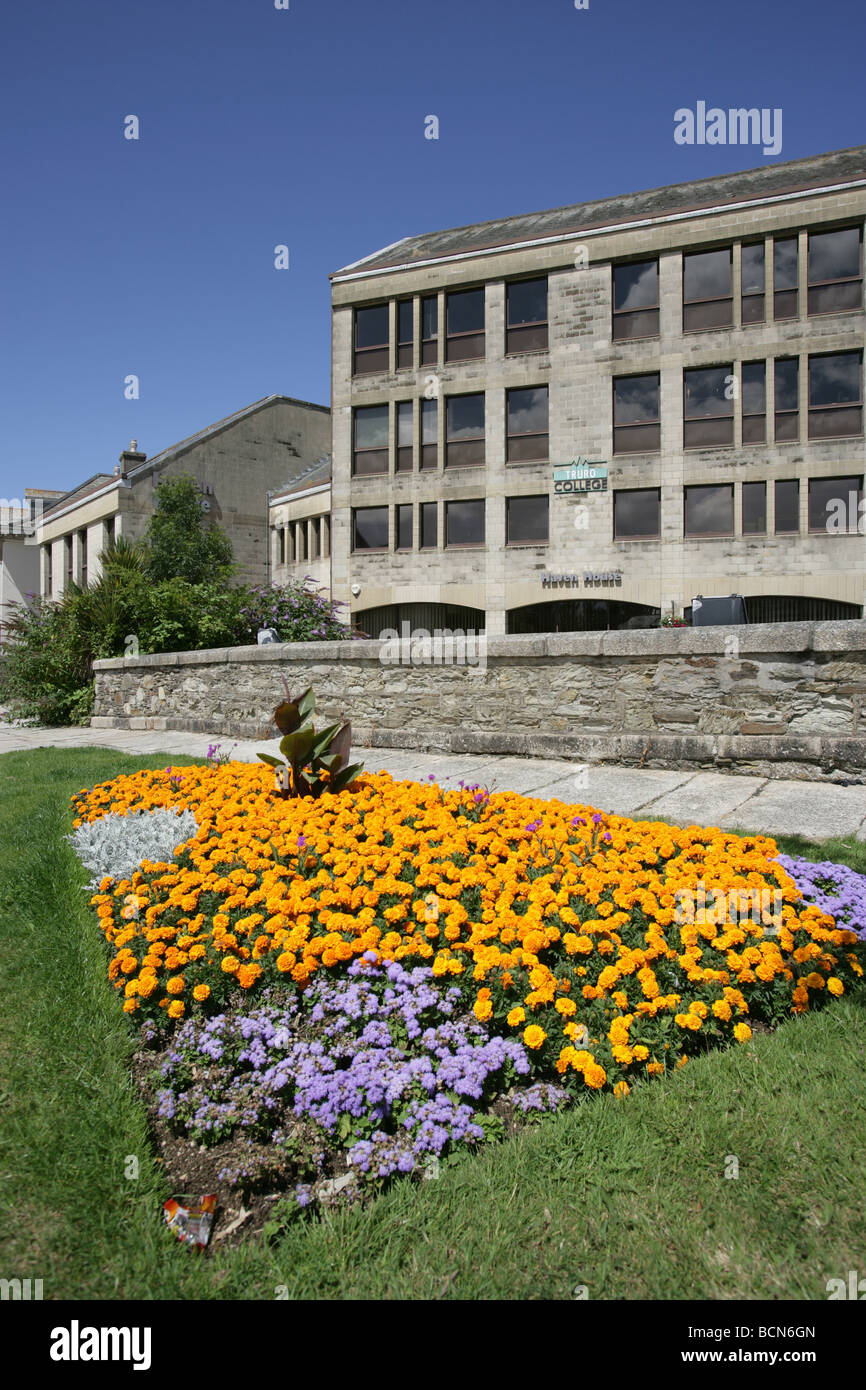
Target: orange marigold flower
534 1036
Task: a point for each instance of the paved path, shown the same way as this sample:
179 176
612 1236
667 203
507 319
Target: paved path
814 809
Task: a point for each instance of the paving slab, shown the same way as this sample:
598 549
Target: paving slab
621 791
817 810
705 799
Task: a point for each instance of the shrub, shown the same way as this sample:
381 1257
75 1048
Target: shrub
45 674
297 611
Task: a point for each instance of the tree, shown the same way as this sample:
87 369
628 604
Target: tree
180 545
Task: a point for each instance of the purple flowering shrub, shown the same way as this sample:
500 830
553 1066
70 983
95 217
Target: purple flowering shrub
297 611
834 888
379 1069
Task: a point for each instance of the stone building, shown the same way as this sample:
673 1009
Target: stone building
235 463
19 553
588 417
300 525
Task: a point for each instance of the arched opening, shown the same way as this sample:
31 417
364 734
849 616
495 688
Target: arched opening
777 608
582 615
427 617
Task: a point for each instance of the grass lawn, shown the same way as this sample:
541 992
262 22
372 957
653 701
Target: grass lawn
628 1198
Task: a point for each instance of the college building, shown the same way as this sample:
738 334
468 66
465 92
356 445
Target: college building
589 417
236 463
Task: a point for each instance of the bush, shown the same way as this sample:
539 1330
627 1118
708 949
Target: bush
296 611
45 674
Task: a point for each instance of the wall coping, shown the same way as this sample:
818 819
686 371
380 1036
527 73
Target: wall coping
754 639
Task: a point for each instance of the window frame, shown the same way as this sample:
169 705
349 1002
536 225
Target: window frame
376 347
753 295
627 315
527 434
533 324
813 411
819 285
466 545
707 535
822 530
471 439
643 535
526 497
728 369
709 299
370 449
405 346
369 549
464 335
637 424
793 413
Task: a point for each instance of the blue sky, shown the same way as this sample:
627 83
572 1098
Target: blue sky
305 127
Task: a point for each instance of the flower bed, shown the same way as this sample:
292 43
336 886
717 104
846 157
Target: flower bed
374 972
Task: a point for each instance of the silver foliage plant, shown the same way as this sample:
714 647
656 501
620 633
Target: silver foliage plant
116 845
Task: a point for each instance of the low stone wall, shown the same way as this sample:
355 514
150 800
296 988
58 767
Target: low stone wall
779 699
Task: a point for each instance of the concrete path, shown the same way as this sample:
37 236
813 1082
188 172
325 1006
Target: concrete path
816 810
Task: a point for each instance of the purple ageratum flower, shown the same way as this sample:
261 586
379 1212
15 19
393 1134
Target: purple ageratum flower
834 888
534 825
578 820
597 819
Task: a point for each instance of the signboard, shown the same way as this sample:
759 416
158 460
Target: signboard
580 476
588 579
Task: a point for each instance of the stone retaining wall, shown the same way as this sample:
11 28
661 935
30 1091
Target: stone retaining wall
779 700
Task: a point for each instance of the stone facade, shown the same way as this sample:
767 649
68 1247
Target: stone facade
579 367
234 462
300 526
781 700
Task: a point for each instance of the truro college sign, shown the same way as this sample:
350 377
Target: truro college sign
581 475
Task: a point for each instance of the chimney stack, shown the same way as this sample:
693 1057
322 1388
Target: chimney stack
130 458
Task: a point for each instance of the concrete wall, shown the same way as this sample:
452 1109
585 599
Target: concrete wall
781 700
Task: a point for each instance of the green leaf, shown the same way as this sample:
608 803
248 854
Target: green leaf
297 746
344 777
307 703
272 762
287 717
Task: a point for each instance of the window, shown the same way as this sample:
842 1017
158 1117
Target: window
785 275
429 434
708 407
834 504
707 290
527 416
464 431
787 506
49 569
370 528
636 427
371 440
326 537
405 333
300 541
291 548
405 429
752 282
464 522
526 316
787 393
429 526
835 395
636 300
315 541
67 556
82 557
430 329
526 520
108 532
281 544
835 271
637 513
754 398
464 320
709 511
754 509
371 340
403 526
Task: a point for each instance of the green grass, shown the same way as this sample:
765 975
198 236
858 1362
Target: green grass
628 1198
